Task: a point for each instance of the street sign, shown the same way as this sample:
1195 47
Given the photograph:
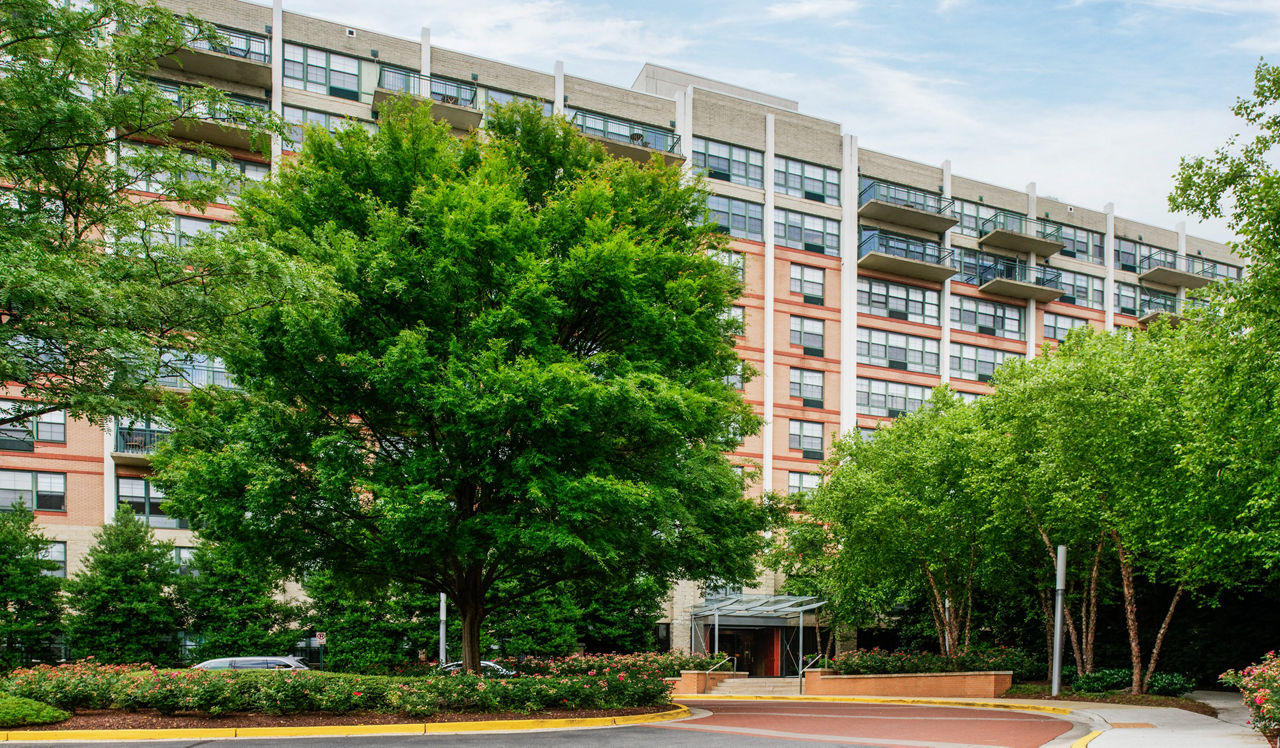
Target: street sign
320 637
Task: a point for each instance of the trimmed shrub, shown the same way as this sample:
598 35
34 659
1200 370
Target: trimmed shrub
1170 684
1101 681
82 685
16 711
879 661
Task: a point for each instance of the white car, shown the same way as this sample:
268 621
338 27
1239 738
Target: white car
487 668
252 663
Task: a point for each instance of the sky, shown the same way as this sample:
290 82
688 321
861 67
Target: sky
1093 100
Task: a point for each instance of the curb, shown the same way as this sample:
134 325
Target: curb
680 712
1084 741
878 700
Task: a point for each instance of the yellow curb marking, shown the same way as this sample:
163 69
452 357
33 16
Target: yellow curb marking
680 712
877 700
1082 742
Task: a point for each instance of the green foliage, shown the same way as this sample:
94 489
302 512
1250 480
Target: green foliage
370 628
879 661
513 386
84 327
30 604
16 711
665 664
1101 681
230 604
122 596
85 684
1260 686
1169 684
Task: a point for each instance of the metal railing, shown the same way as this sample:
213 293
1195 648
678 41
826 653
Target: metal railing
907 248
138 440
234 43
1167 258
730 658
626 131
906 196
197 375
1020 224
177 94
416 84
1157 303
1016 270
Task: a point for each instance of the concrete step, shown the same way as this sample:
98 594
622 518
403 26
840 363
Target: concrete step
758 687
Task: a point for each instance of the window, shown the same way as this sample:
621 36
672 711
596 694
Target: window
1128 252
300 118
971 216
808 281
1126 299
807 385
896 351
1212 269
1082 290
734 381
184 371
46 492
729 163
320 71
810 181
189 227
183 557
806 436
896 301
865 433
801 482
877 397
737 217
987 317
1082 244
145 498
22 436
52 426
735 260
717 590
738 315
1056 326
808 333
972 262
972 362
150 181
55 551
803 231
502 97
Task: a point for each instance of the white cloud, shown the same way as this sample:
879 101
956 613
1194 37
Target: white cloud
810 9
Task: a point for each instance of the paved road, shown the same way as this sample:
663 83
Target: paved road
742 724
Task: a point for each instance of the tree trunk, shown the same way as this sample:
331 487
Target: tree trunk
1155 650
1046 611
1130 612
939 611
472 616
1090 613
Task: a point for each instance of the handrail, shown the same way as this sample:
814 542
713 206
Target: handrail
812 662
726 659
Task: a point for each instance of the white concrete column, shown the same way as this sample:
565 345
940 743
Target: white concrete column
944 301
424 55
277 78
684 128
849 188
557 104
1181 261
1031 199
108 470
1109 261
766 483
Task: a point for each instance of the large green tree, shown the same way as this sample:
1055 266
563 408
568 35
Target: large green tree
519 380
30 599
122 597
90 295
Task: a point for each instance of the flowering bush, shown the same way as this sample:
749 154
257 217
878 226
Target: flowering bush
1260 685
667 664
880 661
82 685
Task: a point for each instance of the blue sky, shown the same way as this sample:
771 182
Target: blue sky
1094 100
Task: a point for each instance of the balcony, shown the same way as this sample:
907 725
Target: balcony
1019 233
235 56
186 376
454 102
898 255
905 206
207 128
627 139
1019 280
1152 305
1166 267
134 444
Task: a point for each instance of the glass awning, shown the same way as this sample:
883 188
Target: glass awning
775 606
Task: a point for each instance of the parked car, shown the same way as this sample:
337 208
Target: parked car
487 668
253 663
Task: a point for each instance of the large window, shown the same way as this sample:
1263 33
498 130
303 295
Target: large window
807 437
1082 244
183 556
150 181
300 118
1126 299
55 551
502 97
1212 268
730 163
1082 290
802 482
896 351
1129 253
877 397
1056 326
809 281
987 317
321 71
971 216
807 332
145 498
737 217
810 181
972 362
21 436
43 491
807 385
803 231
735 261
897 301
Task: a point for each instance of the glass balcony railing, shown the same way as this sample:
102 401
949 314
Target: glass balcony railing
906 196
904 247
235 43
177 94
438 89
191 375
1016 270
1168 259
138 440
1020 224
625 131
1154 303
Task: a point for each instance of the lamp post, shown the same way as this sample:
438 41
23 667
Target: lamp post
1057 618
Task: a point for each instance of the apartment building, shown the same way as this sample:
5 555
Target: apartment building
869 278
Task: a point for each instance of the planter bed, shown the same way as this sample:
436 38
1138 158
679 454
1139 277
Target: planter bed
987 684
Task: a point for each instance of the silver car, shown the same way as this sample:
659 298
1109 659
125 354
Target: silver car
252 663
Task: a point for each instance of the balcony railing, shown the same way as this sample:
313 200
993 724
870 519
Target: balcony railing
416 84
625 131
1021 272
1150 303
906 196
235 43
138 440
1020 224
188 376
177 94
906 248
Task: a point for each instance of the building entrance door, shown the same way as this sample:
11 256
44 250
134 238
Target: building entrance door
752 647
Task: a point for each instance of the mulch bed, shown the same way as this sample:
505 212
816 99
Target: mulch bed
114 719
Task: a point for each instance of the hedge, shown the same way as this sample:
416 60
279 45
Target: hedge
879 661
1121 679
16 711
669 664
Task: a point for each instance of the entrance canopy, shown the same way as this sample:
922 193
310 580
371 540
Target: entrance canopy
757 606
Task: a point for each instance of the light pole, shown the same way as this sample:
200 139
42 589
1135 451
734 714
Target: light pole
1057 619
443 631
